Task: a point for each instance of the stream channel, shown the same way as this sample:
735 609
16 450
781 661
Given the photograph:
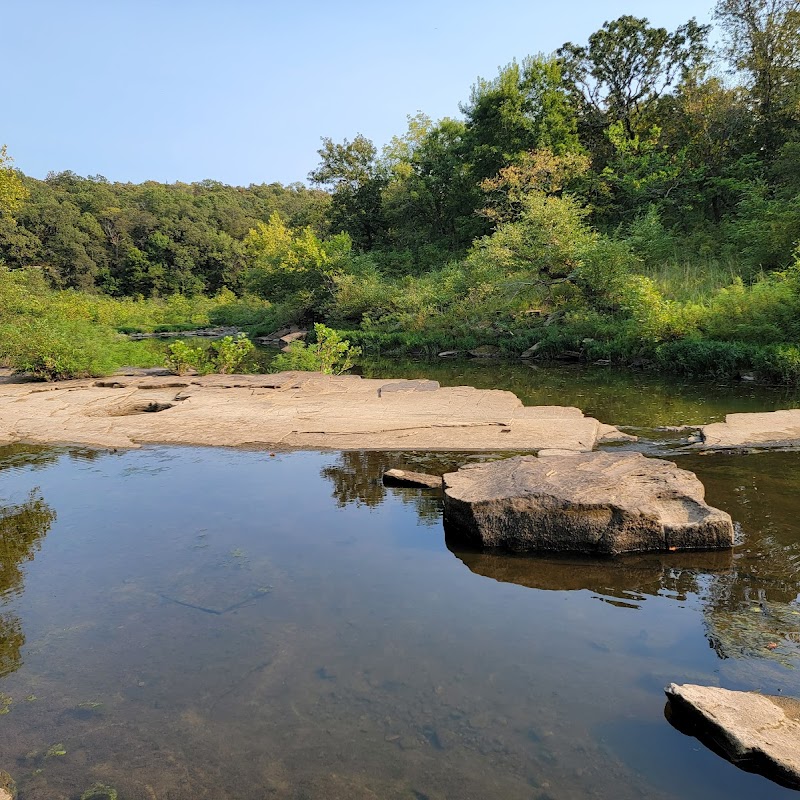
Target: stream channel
192 623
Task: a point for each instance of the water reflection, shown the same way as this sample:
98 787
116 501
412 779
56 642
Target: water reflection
22 528
749 596
626 581
237 634
614 396
357 478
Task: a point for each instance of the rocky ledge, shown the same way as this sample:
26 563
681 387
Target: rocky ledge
771 429
604 503
287 410
760 733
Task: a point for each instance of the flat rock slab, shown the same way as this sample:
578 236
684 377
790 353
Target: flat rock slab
287 410
404 477
772 429
604 503
760 733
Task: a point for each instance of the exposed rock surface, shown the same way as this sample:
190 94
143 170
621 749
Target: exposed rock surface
282 337
774 429
602 503
404 477
290 410
760 733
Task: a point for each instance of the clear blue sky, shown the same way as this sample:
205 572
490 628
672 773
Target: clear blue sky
242 91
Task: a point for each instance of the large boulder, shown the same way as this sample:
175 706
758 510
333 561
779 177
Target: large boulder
604 503
760 733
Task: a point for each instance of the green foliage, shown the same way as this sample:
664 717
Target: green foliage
229 354
148 239
618 201
762 42
627 66
225 356
354 175
12 190
182 357
330 354
284 264
56 349
649 239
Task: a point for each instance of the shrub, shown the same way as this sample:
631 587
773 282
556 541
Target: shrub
229 354
225 356
182 357
57 349
330 354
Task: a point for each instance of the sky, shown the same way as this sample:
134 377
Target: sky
242 91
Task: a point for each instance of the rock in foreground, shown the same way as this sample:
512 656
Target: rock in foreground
604 503
760 733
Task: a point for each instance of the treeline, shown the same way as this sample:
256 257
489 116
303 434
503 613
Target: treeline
683 148
149 239
634 198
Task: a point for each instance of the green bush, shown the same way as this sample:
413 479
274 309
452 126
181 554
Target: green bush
225 356
57 349
182 358
330 354
229 354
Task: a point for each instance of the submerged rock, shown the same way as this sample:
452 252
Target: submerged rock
604 503
760 733
403 477
100 792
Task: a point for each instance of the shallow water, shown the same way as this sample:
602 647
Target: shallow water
206 623
617 397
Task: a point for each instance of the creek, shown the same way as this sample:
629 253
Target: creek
192 623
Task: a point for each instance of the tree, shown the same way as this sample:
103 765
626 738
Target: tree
12 190
537 171
352 173
292 265
763 42
626 67
431 197
524 108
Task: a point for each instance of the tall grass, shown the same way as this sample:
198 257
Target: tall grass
693 280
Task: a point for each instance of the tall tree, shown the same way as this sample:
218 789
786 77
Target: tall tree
524 108
626 67
763 42
353 174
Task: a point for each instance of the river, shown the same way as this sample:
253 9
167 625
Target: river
182 623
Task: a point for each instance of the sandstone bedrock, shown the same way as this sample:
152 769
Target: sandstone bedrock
602 503
300 410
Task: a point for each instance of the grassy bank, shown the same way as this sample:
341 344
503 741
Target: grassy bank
738 330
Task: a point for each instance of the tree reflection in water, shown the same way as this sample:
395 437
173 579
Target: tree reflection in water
357 480
22 528
749 595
